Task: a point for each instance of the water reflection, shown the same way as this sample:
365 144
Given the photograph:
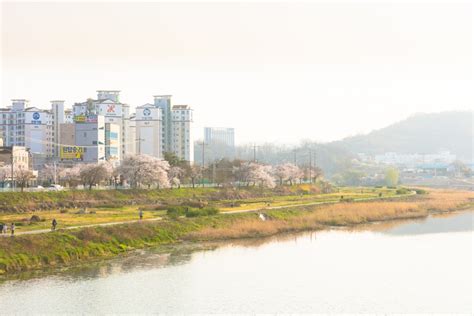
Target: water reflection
338 271
441 223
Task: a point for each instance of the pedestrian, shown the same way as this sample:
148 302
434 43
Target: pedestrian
12 229
1 227
54 223
140 213
5 228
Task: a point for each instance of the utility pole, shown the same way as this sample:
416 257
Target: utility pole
12 182
310 155
202 172
255 153
55 173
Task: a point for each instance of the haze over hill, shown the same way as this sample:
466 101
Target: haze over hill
421 133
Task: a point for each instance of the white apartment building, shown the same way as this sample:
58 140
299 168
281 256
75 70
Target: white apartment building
30 127
57 118
161 127
181 137
148 125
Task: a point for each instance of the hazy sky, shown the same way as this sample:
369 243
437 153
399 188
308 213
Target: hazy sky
277 72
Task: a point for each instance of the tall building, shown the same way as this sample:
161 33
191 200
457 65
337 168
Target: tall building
162 127
90 137
30 127
108 106
113 148
181 137
148 134
220 142
57 118
163 102
219 135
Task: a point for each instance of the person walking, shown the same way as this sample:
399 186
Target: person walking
12 229
140 213
54 223
5 228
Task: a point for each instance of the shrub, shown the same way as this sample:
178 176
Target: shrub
402 191
207 211
420 191
35 218
176 211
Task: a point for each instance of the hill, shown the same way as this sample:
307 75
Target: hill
421 133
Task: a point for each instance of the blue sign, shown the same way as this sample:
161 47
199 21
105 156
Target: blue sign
146 112
36 116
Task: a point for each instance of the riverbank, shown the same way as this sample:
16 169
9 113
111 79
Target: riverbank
153 204
72 247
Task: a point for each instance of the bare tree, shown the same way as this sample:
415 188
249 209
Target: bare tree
23 177
194 173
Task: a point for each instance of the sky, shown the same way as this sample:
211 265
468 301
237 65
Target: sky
275 71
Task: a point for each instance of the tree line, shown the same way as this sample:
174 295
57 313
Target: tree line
144 171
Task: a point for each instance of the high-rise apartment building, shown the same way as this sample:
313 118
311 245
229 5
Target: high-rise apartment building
57 118
181 137
148 125
30 127
162 127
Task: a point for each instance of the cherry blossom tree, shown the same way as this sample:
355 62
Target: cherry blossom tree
70 176
261 174
5 173
288 172
175 175
93 174
144 170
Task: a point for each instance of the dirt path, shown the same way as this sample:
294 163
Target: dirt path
42 231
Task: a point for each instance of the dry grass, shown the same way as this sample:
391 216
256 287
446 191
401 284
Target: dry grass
349 214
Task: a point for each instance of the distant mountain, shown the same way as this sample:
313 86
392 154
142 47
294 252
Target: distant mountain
421 133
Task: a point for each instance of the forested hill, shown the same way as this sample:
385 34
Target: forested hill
421 133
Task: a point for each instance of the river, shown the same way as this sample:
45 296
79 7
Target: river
423 266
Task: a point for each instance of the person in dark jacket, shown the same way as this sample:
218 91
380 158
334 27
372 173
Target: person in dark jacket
54 223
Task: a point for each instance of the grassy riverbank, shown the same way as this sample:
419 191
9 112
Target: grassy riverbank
154 203
75 246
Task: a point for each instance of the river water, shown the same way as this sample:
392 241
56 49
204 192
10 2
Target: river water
407 267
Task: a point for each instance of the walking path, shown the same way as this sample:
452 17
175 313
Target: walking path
42 231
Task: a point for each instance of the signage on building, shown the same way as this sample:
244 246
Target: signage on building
110 109
71 153
85 118
36 118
